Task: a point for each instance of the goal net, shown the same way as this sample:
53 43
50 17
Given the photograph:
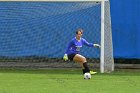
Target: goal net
40 31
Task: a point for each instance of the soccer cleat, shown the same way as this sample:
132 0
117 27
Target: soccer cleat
91 72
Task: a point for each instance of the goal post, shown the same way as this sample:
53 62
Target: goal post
106 58
31 28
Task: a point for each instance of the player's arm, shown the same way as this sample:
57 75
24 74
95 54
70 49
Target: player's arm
90 44
87 43
65 57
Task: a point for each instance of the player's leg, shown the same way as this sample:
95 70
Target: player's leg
83 62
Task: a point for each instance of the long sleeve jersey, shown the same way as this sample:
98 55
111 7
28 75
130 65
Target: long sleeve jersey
74 45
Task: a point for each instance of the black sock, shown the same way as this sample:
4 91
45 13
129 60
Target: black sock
86 68
84 71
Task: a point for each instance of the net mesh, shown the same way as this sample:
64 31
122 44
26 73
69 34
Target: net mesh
38 32
108 47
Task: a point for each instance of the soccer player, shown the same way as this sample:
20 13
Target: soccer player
73 51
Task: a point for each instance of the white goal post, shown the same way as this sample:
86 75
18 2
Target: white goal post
106 53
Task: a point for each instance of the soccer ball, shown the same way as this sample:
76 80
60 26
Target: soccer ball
87 76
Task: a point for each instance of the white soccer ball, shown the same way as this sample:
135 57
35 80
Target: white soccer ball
87 76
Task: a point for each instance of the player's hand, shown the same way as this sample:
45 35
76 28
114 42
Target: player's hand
65 58
96 45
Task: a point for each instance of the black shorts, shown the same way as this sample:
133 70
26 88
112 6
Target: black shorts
71 56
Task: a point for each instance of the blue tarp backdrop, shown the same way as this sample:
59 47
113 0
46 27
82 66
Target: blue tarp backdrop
126 28
44 29
27 31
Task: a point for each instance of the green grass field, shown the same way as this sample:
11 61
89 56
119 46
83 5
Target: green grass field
68 81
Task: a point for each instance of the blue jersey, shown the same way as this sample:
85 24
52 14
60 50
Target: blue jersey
74 45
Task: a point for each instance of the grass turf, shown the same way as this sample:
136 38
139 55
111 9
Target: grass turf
68 81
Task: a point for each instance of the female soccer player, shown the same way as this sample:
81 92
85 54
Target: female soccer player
73 49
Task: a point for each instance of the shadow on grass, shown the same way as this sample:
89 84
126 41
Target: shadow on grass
117 72
40 71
